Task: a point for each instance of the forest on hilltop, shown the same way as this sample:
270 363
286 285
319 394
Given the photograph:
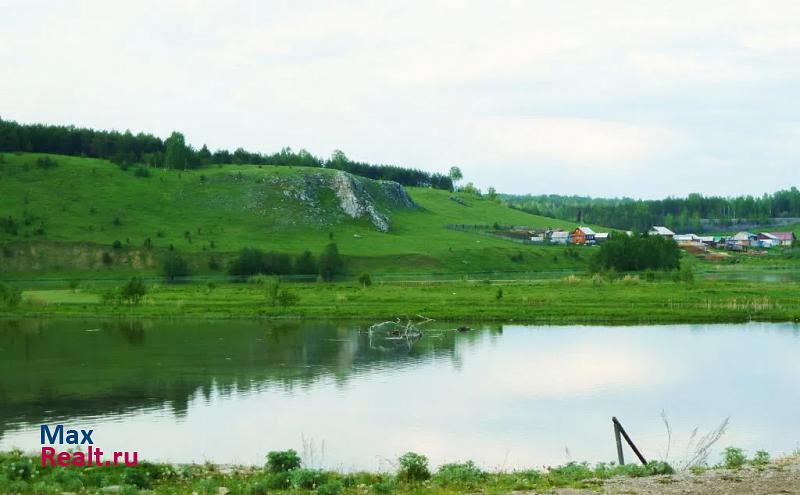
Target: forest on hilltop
127 149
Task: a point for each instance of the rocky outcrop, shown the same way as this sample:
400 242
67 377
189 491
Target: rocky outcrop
328 195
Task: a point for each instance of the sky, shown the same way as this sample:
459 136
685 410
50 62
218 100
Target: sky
630 98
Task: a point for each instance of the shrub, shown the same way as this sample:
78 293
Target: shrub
45 162
761 458
116 245
260 487
499 294
305 264
141 172
107 259
175 266
733 458
330 487
282 460
650 275
9 296
365 280
133 291
117 221
254 261
687 274
213 263
307 479
466 474
272 285
137 477
413 467
287 298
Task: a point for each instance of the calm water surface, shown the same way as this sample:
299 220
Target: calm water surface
503 395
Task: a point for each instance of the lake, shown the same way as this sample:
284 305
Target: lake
505 396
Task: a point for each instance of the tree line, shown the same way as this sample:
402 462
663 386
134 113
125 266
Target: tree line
127 149
679 214
638 252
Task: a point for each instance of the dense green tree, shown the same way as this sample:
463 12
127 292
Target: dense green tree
305 264
636 252
330 262
175 266
176 153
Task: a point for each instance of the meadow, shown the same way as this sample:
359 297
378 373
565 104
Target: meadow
569 300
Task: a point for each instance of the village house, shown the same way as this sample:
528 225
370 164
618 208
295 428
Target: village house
601 237
559 237
785 238
767 240
662 231
583 235
744 239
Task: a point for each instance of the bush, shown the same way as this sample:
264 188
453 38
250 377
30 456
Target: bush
280 461
413 467
141 172
45 162
307 479
134 291
254 261
10 296
137 477
107 259
733 458
761 458
261 487
466 474
499 294
213 263
365 280
330 487
175 266
687 274
116 245
287 298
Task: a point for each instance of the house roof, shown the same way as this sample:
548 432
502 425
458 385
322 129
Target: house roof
743 236
601 235
661 230
767 235
686 237
784 236
586 230
560 233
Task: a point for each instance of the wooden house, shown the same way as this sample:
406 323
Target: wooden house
583 235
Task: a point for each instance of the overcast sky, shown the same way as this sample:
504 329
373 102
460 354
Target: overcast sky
603 98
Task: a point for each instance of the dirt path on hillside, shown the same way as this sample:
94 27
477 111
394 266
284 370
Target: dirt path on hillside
780 477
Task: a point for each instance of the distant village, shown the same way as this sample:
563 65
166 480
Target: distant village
741 241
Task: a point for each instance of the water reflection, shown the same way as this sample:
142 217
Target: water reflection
508 396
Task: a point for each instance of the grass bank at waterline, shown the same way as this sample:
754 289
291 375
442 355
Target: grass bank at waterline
284 473
567 301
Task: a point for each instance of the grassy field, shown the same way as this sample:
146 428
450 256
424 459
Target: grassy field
69 215
572 300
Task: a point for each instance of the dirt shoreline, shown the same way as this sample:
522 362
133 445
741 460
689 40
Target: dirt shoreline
779 477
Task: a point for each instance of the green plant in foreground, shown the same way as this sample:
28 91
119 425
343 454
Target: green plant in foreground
413 467
733 458
282 460
464 475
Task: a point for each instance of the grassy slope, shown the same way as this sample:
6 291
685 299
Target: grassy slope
79 200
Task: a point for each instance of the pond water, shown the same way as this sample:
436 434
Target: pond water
505 396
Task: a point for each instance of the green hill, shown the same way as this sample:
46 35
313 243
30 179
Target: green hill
65 215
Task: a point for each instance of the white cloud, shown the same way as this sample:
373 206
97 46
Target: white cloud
563 93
